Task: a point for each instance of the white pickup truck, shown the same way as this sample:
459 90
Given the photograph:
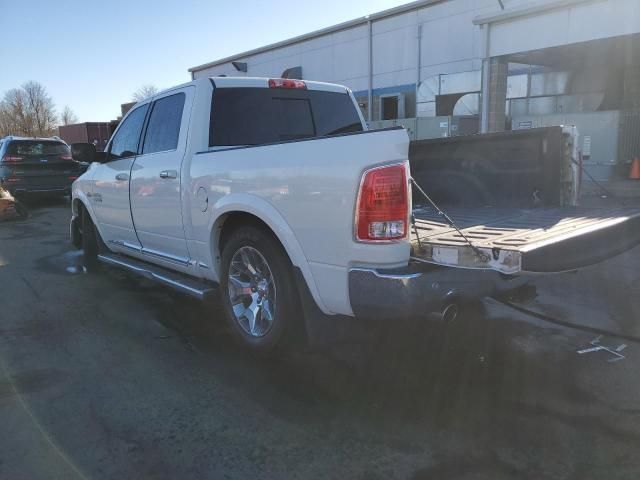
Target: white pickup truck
273 194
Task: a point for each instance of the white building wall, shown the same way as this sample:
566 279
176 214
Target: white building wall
591 20
450 44
339 57
395 50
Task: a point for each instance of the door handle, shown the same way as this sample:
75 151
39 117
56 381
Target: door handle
168 174
122 176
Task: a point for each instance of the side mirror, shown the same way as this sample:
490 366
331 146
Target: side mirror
83 152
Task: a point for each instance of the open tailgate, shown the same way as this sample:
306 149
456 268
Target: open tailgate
536 240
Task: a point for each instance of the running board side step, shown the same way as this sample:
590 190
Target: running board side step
182 283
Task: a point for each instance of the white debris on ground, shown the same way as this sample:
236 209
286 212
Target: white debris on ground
10 208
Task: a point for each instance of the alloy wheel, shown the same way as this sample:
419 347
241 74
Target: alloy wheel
252 291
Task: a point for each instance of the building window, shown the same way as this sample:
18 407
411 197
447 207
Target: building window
391 107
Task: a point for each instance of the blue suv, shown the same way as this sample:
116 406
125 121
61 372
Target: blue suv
37 165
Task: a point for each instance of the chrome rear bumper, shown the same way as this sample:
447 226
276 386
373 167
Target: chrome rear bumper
420 290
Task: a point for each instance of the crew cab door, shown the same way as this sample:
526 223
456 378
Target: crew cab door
110 196
155 177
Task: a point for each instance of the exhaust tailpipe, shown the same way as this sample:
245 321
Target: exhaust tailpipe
447 314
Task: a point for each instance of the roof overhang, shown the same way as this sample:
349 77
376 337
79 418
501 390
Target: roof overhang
533 8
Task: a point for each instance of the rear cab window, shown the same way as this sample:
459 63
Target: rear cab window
254 116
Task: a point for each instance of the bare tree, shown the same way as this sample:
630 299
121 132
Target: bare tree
40 108
67 117
144 92
4 121
27 111
14 113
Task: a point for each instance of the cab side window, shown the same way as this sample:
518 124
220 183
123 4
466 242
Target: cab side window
163 129
125 142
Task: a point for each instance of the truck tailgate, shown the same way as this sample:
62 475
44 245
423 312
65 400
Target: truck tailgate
536 240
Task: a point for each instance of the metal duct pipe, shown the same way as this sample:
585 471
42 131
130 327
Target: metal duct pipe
484 110
418 66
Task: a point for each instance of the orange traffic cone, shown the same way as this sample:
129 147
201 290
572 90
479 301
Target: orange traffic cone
634 172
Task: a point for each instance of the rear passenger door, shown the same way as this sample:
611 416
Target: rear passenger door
156 206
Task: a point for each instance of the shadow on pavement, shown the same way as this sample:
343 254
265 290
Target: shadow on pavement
472 372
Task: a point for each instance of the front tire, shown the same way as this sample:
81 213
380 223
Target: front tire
257 289
89 237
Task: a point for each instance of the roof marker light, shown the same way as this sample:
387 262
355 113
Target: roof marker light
287 83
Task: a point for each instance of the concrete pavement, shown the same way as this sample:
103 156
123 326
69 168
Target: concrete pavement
104 375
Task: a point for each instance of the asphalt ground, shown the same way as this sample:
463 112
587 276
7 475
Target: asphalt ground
107 376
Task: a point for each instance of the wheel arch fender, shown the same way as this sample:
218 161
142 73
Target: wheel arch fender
80 199
266 213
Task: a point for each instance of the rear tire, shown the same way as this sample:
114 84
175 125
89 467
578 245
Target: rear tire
257 289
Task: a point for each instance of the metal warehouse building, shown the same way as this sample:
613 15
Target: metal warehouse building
453 67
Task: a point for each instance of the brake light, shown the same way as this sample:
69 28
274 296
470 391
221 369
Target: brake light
287 83
66 156
12 180
72 178
12 159
382 210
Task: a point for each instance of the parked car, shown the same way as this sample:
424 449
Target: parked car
273 194
37 165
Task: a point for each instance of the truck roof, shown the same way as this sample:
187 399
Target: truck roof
263 82
249 82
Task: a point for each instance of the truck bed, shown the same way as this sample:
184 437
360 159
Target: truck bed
520 240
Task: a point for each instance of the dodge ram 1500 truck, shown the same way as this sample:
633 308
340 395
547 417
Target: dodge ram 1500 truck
273 194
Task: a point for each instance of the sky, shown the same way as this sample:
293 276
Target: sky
93 55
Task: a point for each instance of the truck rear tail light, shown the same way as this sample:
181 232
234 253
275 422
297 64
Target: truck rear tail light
12 159
382 210
12 180
287 83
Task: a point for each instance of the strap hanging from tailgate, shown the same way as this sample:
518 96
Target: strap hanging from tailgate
483 257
